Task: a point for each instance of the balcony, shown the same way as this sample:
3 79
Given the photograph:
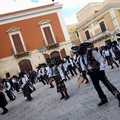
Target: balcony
20 53
52 45
100 36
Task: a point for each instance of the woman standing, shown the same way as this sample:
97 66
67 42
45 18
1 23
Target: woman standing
3 101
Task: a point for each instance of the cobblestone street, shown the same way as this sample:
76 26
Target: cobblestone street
82 104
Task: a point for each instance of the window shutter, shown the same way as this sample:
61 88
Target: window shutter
18 44
48 35
102 26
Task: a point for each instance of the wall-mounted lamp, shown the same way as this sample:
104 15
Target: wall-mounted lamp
42 50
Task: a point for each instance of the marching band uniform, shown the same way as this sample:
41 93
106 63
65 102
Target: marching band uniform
25 87
70 66
65 69
58 76
116 50
3 101
8 90
49 76
95 66
41 75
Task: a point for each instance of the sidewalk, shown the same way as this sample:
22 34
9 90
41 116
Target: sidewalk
82 105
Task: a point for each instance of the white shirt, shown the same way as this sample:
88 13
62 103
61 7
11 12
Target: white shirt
65 66
61 72
97 56
69 63
24 82
49 72
8 86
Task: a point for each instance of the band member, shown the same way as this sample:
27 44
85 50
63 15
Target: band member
15 80
40 74
3 101
25 87
49 75
65 69
59 80
109 57
95 65
70 65
8 87
116 50
77 60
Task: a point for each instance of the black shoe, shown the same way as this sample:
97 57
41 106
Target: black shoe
119 103
34 89
112 67
4 112
27 99
86 82
62 97
52 86
102 102
30 99
67 97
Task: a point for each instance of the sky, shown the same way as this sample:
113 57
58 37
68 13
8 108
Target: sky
69 10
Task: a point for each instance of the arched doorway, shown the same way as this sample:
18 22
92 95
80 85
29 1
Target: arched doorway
55 54
25 65
63 53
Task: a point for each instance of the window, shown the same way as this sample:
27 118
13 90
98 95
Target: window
48 35
102 26
16 40
87 34
17 43
47 32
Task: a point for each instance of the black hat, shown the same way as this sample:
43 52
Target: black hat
75 48
82 45
86 45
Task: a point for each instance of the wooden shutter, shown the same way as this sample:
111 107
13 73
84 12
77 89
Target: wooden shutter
87 34
102 26
63 53
17 43
48 35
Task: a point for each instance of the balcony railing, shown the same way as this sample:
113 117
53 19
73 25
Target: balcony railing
53 45
100 36
21 53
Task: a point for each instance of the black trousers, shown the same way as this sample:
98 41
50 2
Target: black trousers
100 75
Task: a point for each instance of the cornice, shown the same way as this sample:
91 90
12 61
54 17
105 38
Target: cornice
30 14
103 11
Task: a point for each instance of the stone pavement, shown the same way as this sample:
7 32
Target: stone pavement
82 104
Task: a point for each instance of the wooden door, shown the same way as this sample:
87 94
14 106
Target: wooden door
25 65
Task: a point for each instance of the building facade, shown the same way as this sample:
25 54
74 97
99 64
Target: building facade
100 25
73 34
32 36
